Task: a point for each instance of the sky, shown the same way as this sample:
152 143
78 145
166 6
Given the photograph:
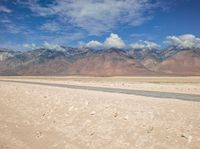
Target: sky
30 24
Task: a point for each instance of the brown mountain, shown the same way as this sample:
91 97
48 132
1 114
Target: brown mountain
98 63
111 62
186 62
108 63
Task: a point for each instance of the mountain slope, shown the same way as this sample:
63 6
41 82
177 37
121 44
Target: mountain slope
109 62
186 62
97 63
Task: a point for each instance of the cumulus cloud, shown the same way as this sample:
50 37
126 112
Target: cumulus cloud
145 44
30 46
94 44
184 41
46 45
96 16
5 9
114 41
53 46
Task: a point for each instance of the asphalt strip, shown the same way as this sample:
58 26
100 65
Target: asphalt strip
155 94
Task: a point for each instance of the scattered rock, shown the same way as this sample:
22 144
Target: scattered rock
91 134
184 136
71 108
39 134
150 130
93 113
188 137
116 114
126 117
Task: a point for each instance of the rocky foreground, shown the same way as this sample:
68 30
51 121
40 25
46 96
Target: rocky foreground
34 116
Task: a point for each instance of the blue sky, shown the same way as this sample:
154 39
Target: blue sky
28 24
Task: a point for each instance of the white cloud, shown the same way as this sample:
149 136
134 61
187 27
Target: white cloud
94 44
5 9
30 46
51 26
137 46
184 41
114 41
144 44
97 16
53 46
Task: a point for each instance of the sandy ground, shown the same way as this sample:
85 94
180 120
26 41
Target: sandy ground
41 117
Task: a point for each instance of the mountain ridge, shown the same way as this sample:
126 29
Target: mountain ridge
105 62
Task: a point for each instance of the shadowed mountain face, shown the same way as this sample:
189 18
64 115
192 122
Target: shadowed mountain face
111 62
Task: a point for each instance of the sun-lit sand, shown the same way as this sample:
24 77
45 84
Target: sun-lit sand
44 117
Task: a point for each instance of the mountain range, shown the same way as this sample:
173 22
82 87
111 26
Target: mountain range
106 62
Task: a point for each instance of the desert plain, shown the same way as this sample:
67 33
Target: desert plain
92 113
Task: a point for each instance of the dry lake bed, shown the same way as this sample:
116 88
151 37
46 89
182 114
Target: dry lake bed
99 112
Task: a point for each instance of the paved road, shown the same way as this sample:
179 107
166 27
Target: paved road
155 94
